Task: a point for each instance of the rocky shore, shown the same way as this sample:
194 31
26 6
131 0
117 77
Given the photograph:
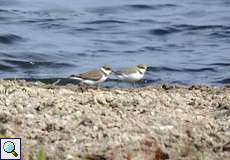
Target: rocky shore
150 123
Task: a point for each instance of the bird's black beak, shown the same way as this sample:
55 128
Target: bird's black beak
148 68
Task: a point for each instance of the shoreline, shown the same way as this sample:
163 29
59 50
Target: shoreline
71 122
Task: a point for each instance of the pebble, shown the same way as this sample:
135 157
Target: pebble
166 127
226 147
29 116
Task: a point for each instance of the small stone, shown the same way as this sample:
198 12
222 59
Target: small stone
29 116
69 157
192 103
78 113
109 99
4 117
86 122
19 107
226 147
18 120
2 130
119 91
167 87
179 110
164 155
100 99
95 128
166 127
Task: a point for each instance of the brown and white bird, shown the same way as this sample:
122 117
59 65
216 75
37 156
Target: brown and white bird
132 74
93 77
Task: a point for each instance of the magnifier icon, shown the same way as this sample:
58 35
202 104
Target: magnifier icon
9 147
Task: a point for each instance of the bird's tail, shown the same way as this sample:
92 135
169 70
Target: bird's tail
75 77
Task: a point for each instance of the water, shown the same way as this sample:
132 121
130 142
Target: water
184 41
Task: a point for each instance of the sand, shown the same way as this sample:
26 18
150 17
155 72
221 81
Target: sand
154 122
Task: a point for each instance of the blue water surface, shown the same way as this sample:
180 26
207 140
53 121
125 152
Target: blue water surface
183 41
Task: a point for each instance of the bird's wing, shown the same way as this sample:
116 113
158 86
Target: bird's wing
125 71
91 75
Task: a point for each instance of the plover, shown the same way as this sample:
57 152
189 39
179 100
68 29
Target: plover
131 74
93 77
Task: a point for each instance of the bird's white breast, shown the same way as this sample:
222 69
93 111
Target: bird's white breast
89 82
131 77
103 79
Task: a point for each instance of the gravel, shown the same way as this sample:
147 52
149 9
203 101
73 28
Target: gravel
155 122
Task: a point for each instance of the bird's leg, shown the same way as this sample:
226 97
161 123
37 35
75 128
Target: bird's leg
81 86
117 84
97 86
84 86
134 85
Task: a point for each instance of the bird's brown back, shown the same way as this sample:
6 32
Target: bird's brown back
91 75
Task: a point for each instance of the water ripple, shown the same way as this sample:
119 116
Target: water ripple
105 22
220 64
149 7
85 29
224 81
6 68
163 31
43 20
10 38
186 27
151 48
185 70
34 64
130 7
4 11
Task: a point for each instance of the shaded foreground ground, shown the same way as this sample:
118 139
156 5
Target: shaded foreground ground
155 122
